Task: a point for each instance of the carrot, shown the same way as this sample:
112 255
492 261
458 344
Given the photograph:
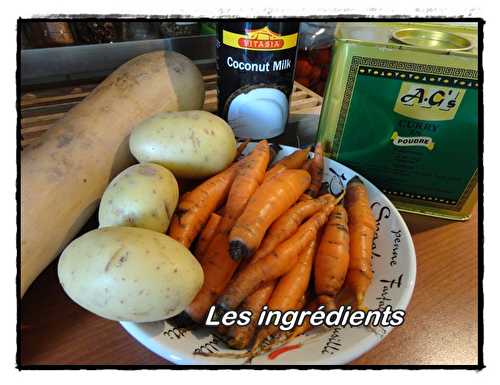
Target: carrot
279 231
295 159
274 149
270 201
218 266
207 234
221 331
332 259
240 336
290 290
250 175
288 223
316 171
275 264
362 229
196 206
292 161
275 170
307 165
266 345
302 301
241 148
306 325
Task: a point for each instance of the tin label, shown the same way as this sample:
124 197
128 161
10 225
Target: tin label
419 142
427 102
261 39
255 64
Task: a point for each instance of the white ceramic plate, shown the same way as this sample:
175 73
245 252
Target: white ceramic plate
394 266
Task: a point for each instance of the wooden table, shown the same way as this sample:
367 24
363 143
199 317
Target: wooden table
441 327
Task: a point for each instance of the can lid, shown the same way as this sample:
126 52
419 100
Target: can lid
435 40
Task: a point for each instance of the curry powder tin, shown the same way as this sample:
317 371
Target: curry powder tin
401 108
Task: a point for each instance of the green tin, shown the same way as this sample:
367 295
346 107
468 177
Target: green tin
401 108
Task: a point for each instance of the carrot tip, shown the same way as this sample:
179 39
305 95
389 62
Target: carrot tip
182 320
275 147
355 179
237 343
220 310
238 250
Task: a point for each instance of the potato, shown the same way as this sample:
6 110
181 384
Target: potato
129 274
144 195
192 144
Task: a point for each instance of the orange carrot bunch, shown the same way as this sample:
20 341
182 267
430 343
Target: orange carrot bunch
274 243
281 260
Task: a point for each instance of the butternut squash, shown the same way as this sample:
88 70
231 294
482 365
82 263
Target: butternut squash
65 174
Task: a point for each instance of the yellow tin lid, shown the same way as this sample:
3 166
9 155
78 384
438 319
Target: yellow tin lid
444 38
433 39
